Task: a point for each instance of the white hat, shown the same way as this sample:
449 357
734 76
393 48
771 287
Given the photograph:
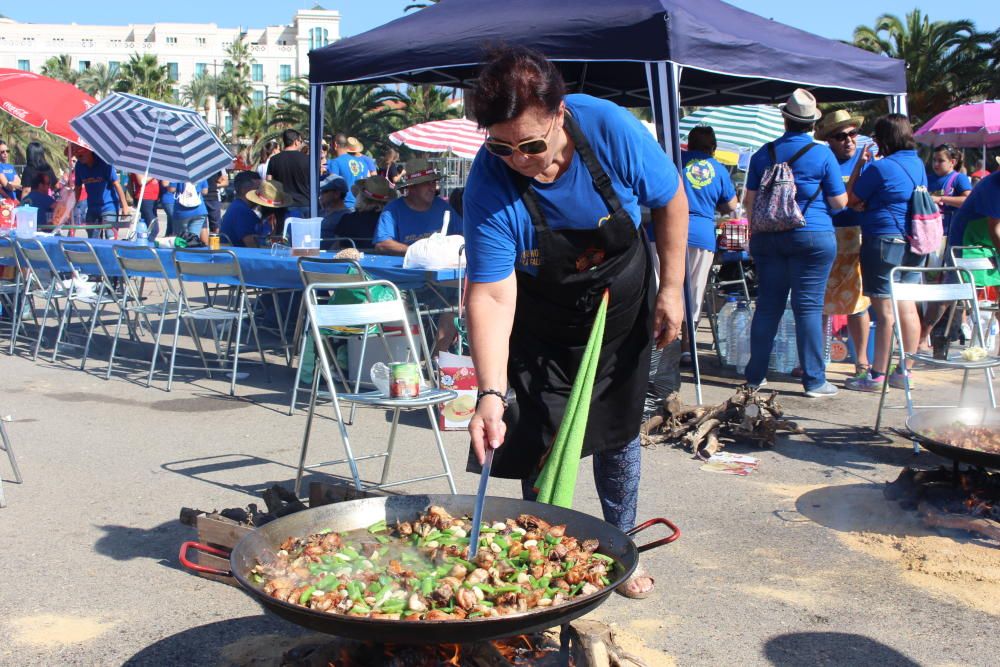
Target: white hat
801 106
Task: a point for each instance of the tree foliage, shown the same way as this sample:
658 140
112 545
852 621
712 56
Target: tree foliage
60 68
99 80
233 88
143 75
428 103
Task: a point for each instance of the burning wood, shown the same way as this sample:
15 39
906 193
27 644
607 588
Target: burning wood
958 500
748 414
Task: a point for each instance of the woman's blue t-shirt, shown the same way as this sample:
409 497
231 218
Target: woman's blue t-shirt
499 236
98 180
939 187
707 184
401 223
983 203
818 168
886 187
187 213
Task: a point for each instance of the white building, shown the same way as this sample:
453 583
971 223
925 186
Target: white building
280 52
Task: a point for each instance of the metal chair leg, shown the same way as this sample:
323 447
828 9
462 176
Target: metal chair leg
41 326
308 431
387 461
114 342
9 448
298 376
440 446
156 345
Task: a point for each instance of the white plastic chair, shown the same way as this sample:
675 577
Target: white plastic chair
963 290
372 313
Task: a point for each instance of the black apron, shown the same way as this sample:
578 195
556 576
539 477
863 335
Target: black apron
554 317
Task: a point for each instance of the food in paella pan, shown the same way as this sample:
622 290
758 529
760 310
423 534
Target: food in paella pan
974 438
419 570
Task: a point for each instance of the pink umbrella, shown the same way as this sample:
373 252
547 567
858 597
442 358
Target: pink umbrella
43 102
974 125
457 135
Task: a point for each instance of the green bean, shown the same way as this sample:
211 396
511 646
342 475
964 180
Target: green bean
427 586
485 603
475 614
576 589
485 588
605 581
501 542
552 540
461 561
360 608
378 527
543 582
349 552
328 583
538 561
306 594
607 559
508 589
381 539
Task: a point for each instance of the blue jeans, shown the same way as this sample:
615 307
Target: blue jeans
800 262
147 213
616 475
193 225
97 218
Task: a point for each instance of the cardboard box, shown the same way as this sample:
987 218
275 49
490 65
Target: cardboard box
458 374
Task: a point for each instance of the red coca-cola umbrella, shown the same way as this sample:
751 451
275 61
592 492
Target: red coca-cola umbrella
43 102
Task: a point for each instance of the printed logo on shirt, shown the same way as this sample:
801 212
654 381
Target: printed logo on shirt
530 257
699 173
356 167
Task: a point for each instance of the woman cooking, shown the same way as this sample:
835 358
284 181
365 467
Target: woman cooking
551 216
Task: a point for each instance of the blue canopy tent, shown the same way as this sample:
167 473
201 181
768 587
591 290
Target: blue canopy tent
657 53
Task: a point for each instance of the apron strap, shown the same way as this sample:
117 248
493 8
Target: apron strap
599 176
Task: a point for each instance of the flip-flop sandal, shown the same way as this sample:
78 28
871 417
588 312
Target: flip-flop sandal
640 573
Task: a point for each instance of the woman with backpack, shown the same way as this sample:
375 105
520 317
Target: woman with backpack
882 192
793 244
190 213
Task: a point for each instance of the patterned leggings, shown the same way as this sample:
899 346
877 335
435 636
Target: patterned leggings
616 475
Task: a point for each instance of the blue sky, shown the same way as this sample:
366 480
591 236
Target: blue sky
830 19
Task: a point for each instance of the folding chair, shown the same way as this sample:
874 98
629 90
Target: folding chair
83 261
323 270
964 290
12 292
976 258
137 264
44 282
9 448
218 266
377 313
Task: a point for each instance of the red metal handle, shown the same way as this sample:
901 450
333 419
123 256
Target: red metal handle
198 546
658 543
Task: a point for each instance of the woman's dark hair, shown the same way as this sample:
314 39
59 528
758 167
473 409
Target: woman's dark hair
799 125
34 156
455 199
513 80
894 133
702 138
952 153
265 153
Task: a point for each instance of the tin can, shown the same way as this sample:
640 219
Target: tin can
213 242
404 380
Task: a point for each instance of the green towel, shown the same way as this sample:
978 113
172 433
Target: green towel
557 480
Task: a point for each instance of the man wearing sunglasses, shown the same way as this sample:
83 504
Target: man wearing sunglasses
551 212
10 183
843 290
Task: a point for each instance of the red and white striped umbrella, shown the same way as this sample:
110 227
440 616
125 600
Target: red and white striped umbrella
457 135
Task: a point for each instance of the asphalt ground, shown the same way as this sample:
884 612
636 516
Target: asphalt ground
761 575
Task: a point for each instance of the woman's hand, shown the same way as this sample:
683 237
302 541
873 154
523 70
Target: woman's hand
668 316
487 427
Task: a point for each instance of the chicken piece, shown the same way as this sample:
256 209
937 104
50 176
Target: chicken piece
505 569
560 584
331 542
485 558
454 582
416 603
557 531
324 603
590 545
437 615
515 549
288 544
405 528
459 571
537 571
466 599
395 568
588 588
558 552
478 576
442 594
459 613
344 605
279 587
576 574
296 594
531 522
506 600
438 517
423 529
313 552
387 617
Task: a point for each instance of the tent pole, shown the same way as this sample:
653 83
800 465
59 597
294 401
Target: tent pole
664 96
145 175
317 96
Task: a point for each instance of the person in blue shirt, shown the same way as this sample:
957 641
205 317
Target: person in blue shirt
844 294
10 182
417 215
977 223
798 260
190 212
882 192
357 149
105 196
551 214
241 223
709 188
347 166
39 197
947 184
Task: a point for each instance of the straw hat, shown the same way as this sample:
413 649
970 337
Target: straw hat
419 170
270 194
801 106
837 120
376 188
354 146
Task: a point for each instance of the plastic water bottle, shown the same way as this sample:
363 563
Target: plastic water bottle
739 336
142 233
722 324
827 340
785 352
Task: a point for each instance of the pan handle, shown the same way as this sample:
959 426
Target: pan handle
652 545
198 546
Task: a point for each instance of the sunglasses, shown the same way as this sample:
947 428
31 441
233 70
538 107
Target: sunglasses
529 147
843 136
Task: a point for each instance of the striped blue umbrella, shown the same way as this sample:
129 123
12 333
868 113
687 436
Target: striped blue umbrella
152 138
155 138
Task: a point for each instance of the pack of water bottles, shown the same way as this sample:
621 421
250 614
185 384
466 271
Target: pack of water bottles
734 337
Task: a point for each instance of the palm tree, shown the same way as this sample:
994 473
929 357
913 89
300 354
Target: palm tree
254 124
426 103
17 134
199 93
144 75
944 58
366 111
99 80
61 68
234 88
